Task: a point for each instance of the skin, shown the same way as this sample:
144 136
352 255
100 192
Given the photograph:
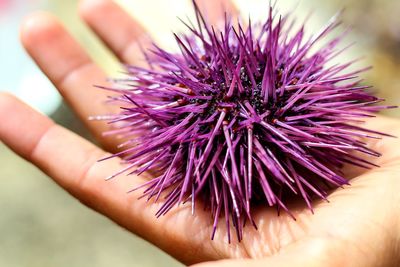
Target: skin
359 227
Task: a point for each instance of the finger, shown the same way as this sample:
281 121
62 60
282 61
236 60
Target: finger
58 152
72 162
69 68
118 30
385 145
214 11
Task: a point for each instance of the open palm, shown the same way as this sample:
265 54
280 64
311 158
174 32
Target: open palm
359 227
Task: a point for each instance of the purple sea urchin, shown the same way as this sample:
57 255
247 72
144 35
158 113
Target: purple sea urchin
243 115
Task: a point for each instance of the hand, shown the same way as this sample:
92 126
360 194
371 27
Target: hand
359 227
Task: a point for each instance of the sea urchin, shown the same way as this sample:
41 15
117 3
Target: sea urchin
242 115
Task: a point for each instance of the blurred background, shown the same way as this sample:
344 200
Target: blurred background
40 225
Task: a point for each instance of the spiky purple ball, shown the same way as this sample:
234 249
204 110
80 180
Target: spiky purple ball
243 116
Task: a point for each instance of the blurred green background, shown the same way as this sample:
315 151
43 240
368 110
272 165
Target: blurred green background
40 225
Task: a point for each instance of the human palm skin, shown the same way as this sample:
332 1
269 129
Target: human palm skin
358 227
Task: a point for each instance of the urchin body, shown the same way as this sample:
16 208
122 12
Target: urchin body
243 116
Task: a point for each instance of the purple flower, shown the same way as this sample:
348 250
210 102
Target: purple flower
243 115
